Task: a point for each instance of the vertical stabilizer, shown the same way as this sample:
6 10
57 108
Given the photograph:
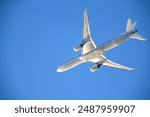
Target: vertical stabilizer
130 26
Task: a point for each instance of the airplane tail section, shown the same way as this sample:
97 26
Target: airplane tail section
130 25
130 28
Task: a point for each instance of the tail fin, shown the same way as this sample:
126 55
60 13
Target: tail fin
130 27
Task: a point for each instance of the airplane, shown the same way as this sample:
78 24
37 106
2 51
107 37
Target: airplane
92 53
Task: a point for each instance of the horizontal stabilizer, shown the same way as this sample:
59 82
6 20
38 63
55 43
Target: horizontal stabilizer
138 37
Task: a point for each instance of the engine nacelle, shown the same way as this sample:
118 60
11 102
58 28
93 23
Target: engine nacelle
78 47
95 67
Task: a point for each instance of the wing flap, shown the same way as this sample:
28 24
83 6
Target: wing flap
89 46
109 63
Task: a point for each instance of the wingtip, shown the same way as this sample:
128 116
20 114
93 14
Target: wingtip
131 68
144 39
85 10
59 69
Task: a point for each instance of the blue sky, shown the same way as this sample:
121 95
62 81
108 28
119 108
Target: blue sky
36 36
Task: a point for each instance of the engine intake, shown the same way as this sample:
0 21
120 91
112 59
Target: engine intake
95 67
78 47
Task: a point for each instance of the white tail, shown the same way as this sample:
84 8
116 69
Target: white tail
130 28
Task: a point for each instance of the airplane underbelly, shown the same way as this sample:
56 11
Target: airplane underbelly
113 43
91 55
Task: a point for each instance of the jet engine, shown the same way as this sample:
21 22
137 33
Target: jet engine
78 47
95 67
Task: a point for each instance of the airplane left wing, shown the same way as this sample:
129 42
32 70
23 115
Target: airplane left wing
104 61
86 36
109 63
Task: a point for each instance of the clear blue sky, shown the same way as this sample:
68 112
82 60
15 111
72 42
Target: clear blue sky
36 36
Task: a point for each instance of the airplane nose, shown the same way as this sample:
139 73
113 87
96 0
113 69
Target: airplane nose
60 69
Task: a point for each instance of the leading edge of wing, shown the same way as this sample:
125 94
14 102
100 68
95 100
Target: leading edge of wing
86 36
109 63
85 28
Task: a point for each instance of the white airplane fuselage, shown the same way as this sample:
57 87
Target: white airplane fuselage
102 48
92 53
96 53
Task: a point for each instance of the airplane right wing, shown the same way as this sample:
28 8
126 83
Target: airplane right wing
109 63
86 36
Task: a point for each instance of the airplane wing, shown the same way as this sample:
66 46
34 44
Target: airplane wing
85 29
86 36
109 63
89 46
102 59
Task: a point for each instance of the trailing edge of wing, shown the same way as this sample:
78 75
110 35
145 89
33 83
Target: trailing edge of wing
109 63
89 46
